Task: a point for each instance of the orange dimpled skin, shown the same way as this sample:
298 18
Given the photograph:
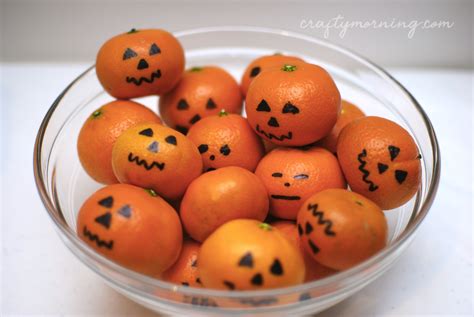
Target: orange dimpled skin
246 254
101 129
227 140
292 175
157 157
132 226
262 64
202 92
314 270
293 105
184 271
349 113
219 196
340 229
140 63
380 160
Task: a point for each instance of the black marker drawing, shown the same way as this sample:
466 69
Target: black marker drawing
321 221
365 172
139 81
147 166
95 238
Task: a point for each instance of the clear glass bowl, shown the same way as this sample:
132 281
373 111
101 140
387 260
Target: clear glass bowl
63 184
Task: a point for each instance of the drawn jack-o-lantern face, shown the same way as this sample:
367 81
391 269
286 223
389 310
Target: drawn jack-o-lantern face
202 92
293 105
224 150
281 116
292 175
120 222
245 254
380 161
140 63
154 156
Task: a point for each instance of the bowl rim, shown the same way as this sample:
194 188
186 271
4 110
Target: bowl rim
332 280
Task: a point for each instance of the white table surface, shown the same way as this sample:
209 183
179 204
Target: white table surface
40 276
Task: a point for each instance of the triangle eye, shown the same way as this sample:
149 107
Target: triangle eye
147 132
183 104
154 49
289 108
263 106
129 53
211 104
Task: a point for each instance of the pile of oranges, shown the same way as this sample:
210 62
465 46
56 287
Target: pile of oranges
205 197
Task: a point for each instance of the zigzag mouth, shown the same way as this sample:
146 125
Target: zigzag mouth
145 164
270 136
95 238
284 197
365 172
139 81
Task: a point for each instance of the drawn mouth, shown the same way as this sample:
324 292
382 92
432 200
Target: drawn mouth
145 164
140 80
365 172
95 238
286 197
270 136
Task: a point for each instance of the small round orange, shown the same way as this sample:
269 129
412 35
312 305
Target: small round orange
227 140
246 254
340 229
140 63
349 113
153 156
314 270
291 175
101 129
262 64
293 104
219 196
132 226
184 270
202 92
380 160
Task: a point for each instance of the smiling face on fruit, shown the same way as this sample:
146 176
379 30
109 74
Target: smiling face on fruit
189 114
274 124
148 157
108 223
140 59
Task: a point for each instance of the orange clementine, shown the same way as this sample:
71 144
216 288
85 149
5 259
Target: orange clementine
184 270
380 161
227 140
140 63
245 254
293 105
202 92
262 64
292 175
101 129
219 196
157 157
131 226
314 270
349 113
340 229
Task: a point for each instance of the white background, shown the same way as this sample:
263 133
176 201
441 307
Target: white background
45 44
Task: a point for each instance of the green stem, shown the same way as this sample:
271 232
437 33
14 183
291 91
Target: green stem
151 192
265 226
288 68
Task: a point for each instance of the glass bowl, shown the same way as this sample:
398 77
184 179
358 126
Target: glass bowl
64 185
